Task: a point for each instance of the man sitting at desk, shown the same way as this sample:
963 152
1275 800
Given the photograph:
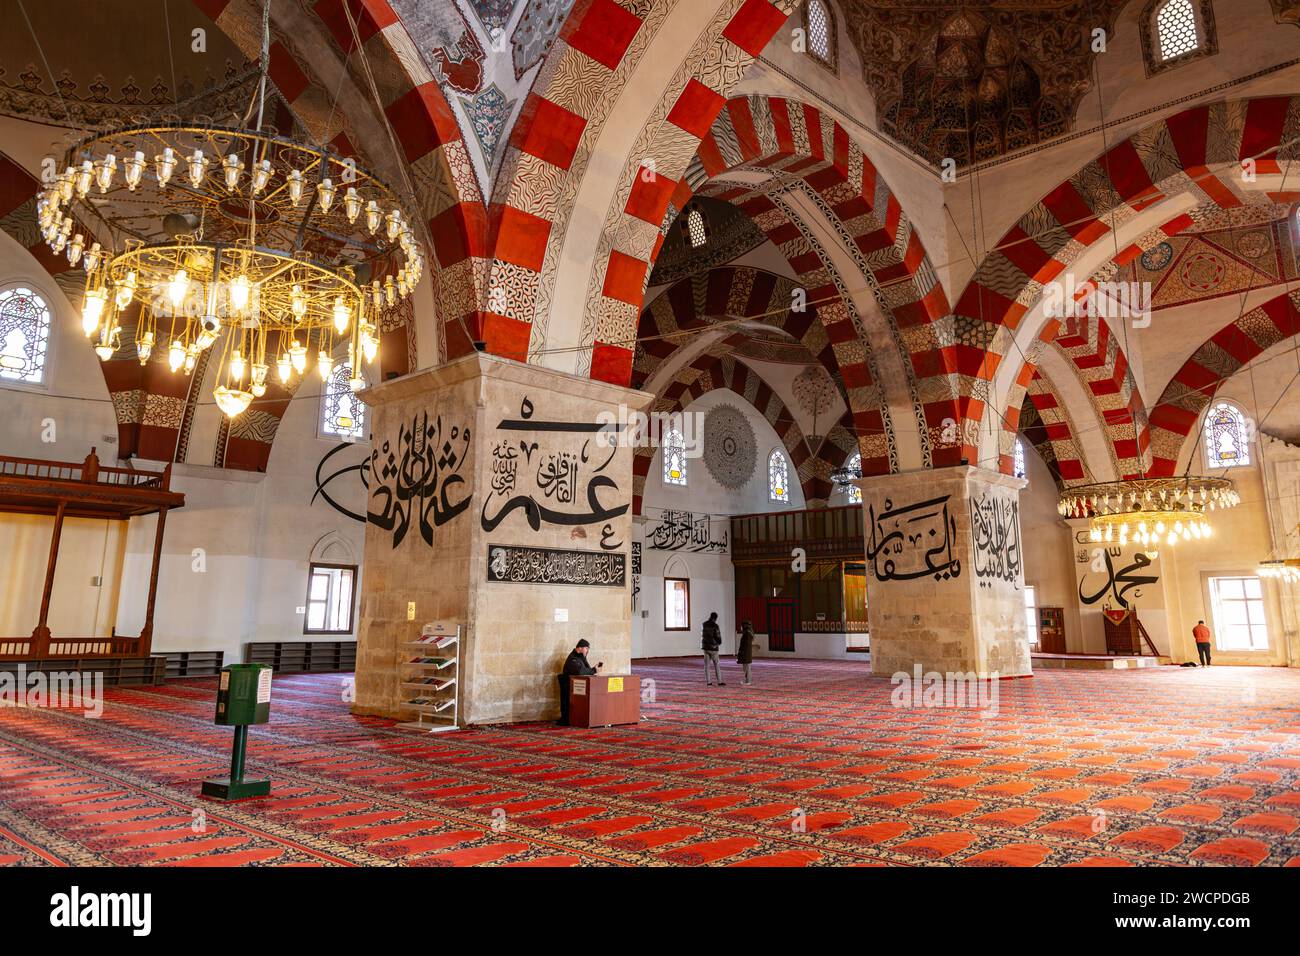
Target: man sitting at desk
575 665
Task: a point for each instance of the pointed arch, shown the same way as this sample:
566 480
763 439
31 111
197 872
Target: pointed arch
1045 422
1196 382
713 371
563 286
795 142
778 476
1193 151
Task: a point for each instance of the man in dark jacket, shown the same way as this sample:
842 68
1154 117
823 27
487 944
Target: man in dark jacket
575 665
711 641
745 650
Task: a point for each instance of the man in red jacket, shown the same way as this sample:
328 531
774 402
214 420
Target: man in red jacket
1202 635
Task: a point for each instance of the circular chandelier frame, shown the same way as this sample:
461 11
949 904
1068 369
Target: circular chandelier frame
1148 510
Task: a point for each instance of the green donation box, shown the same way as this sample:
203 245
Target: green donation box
243 698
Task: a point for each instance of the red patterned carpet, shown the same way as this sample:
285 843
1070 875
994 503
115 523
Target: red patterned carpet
1167 766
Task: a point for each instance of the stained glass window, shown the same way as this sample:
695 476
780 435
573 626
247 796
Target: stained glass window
695 227
674 448
1176 29
1019 459
778 477
24 335
342 413
854 467
819 30
1227 439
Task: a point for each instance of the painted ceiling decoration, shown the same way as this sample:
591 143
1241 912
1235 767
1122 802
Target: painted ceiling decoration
1213 263
122 64
974 81
728 293
730 449
1255 237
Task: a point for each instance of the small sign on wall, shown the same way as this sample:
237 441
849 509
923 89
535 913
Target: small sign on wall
561 615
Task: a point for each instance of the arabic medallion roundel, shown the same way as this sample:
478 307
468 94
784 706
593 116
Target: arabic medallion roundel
729 446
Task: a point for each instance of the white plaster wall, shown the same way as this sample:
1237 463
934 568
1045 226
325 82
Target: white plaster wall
1048 552
235 558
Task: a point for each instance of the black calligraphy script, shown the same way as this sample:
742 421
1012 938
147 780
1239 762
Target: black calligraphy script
329 471
548 485
417 477
995 537
636 573
682 530
1120 582
913 541
523 565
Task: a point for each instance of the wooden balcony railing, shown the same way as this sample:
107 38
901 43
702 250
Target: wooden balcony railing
84 490
88 470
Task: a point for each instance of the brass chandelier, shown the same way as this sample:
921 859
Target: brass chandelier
1148 511
194 235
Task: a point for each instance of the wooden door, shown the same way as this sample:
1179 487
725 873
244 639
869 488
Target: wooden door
780 624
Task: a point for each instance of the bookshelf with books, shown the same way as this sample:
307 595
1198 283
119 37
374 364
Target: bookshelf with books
430 671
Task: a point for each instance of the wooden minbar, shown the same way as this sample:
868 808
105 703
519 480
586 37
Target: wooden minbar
84 489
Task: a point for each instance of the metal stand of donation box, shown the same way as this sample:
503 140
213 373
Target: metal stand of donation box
243 698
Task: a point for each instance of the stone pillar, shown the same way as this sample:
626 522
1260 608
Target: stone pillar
945 578
494 502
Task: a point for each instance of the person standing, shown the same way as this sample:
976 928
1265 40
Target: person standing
745 651
710 642
1202 635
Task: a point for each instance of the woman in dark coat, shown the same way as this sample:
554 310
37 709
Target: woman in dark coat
745 650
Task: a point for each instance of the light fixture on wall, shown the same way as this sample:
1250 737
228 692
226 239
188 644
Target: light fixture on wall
1149 511
241 236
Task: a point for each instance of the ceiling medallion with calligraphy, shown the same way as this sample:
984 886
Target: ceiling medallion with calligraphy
730 450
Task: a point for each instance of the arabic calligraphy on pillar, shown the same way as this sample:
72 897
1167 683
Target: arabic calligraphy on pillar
995 539
417 477
557 478
912 541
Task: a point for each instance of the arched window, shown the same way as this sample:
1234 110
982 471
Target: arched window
342 414
854 467
1175 31
778 476
674 448
1227 437
819 32
24 335
695 230
1018 462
